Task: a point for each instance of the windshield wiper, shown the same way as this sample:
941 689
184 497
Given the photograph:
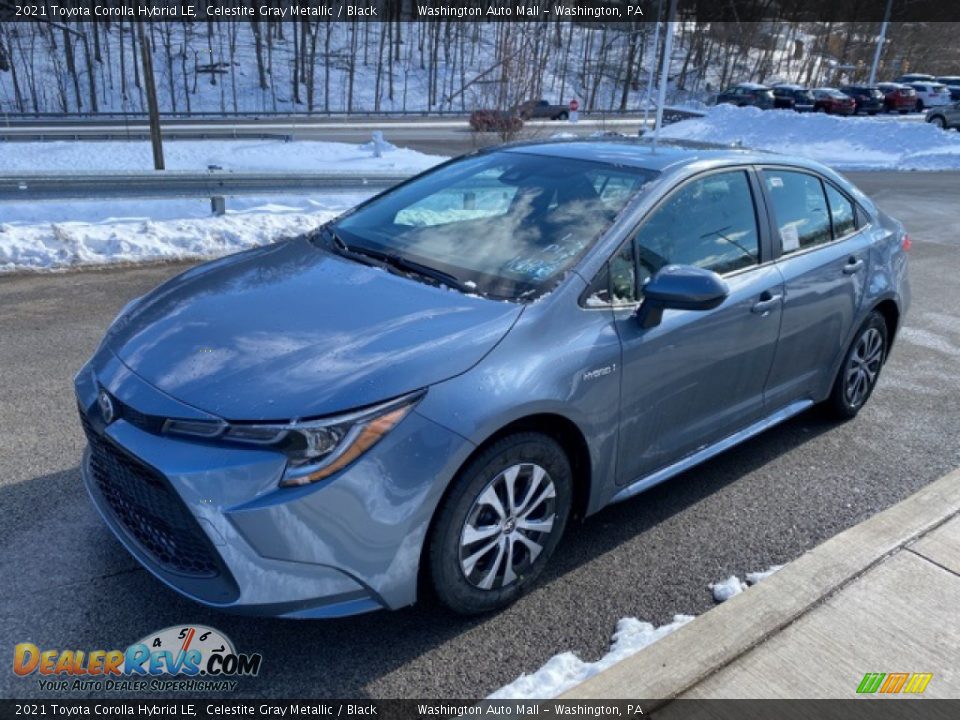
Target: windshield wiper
400 262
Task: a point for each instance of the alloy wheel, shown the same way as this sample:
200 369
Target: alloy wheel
507 526
863 367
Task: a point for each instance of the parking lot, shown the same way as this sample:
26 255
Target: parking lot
69 584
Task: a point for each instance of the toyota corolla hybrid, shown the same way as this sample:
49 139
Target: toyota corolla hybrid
421 395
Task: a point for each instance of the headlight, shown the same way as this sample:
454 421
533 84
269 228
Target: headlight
316 448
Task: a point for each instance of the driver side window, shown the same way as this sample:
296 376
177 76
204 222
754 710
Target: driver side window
710 223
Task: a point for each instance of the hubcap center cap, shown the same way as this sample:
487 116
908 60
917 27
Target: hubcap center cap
509 525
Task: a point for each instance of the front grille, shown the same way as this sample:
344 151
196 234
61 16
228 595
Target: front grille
149 509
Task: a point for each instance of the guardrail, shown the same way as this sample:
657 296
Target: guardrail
173 184
8 117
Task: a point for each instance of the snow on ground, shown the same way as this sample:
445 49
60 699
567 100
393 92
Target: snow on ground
50 245
237 155
726 589
566 670
56 234
845 143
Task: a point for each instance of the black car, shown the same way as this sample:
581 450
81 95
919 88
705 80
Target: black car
799 97
953 85
747 94
868 98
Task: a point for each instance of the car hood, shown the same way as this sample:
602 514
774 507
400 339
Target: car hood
291 331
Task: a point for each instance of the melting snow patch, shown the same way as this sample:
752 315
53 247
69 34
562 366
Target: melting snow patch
566 670
726 589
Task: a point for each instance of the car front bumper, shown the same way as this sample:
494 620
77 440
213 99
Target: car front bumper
210 520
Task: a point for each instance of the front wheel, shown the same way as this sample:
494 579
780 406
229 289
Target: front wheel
861 367
500 523
939 122
562 116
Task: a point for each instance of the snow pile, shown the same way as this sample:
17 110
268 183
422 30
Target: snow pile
44 235
726 589
66 244
846 143
235 155
566 670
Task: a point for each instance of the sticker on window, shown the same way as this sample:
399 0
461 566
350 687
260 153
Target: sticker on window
790 238
775 182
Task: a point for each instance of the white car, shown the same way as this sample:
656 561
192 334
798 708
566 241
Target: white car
930 94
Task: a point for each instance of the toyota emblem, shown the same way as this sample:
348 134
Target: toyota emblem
106 406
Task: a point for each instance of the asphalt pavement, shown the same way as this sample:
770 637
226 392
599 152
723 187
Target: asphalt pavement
68 584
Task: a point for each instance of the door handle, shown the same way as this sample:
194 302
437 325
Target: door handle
853 265
767 302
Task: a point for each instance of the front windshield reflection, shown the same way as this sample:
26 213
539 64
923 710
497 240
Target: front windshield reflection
508 223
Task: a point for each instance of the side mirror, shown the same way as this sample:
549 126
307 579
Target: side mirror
680 287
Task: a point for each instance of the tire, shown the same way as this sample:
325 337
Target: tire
904 112
938 121
562 116
919 106
860 368
501 561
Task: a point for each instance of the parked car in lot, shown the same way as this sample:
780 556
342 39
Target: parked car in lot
867 98
915 77
953 85
542 109
833 102
898 97
930 94
945 117
495 121
747 94
433 385
800 98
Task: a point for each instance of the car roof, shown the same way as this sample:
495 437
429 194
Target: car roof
636 152
752 86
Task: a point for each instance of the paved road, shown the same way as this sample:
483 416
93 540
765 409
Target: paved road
67 583
446 136
442 136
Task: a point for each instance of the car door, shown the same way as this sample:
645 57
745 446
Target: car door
698 376
823 255
953 115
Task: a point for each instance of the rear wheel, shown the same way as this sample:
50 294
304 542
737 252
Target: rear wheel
939 122
500 523
860 369
562 116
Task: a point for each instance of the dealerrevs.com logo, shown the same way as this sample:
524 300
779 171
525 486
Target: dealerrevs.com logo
188 658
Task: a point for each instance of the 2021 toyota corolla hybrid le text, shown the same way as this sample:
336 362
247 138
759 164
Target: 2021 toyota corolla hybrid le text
426 390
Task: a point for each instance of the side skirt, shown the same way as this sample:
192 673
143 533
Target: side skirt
648 481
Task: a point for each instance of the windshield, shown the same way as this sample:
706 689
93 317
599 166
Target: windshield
506 224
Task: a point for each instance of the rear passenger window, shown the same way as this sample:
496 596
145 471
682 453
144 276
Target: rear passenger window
842 215
800 209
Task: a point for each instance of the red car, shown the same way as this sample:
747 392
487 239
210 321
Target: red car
833 102
898 97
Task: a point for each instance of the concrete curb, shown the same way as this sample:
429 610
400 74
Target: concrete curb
686 657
